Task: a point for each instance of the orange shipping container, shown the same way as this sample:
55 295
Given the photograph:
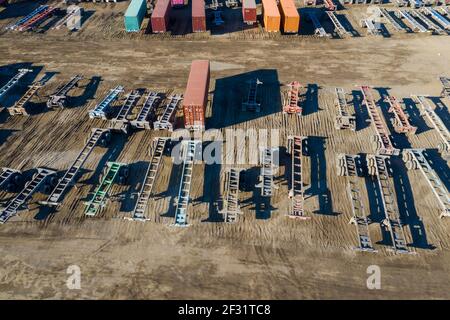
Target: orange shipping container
271 15
196 95
290 19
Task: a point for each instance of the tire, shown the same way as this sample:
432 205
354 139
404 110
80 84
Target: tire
409 165
406 156
53 181
125 172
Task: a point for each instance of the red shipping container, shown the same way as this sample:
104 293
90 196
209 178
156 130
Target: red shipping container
196 95
249 11
198 16
160 16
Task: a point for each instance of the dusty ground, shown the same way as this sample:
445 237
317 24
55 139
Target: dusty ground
265 254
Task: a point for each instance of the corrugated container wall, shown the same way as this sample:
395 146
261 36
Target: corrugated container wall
161 16
271 16
196 95
249 11
134 15
177 3
198 16
290 19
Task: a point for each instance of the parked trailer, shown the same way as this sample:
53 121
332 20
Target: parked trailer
400 122
72 19
347 165
343 119
198 16
271 15
382 140
147 114
268 169
115 172
121 123
40 178
445 81
167 119
377 168
102 109
296 193
430 24
161 16
98 136
27 18
426 109
59 98
414 24
231 208
249 11
36 20
437 17
318 29
415 159
151 175
196 95
290 19
292 102
182 204
134 15
14 80
390 19
19 107
338 27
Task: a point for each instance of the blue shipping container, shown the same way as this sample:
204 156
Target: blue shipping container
134 15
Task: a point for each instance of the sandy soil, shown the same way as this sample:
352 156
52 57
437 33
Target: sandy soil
263 255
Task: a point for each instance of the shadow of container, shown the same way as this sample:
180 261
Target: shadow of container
230 92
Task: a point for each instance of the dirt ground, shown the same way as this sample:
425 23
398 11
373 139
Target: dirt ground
265 255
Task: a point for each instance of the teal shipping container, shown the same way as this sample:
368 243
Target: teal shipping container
134 15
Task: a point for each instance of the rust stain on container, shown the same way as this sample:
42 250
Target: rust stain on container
271 15
198 16
160 16
290 19
196 95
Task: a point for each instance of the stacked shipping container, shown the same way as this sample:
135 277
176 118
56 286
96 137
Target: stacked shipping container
198 16
161 16
290 19
134 15
196 95
249 11
271 16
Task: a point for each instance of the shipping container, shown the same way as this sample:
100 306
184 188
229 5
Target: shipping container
271 15
161 16
196 95
198 16
177 3
134 15
290 19
249 11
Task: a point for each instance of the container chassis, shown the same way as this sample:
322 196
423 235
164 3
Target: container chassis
151 175
349 166
55 199
415 159
378 169
382 139
343 119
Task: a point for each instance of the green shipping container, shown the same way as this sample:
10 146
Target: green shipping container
134 15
